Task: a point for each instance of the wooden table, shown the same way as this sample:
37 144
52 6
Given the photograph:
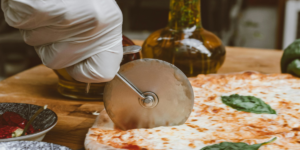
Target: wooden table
38 86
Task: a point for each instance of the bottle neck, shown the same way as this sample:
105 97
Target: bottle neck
185 14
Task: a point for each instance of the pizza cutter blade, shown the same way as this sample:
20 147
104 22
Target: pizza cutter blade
148 93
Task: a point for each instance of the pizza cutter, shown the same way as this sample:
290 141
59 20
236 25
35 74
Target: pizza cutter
148 93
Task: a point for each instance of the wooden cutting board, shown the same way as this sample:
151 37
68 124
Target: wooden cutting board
38 86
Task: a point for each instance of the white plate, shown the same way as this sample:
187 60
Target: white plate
30 145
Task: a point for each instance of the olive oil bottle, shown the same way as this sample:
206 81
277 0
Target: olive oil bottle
184 42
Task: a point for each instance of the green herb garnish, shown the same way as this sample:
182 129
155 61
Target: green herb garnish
32 119
184 14
247 104
236 146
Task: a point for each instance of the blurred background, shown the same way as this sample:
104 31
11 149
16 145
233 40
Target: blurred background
265 24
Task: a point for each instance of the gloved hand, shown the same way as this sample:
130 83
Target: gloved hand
85 37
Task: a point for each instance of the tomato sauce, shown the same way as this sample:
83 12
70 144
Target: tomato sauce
10 122
131 147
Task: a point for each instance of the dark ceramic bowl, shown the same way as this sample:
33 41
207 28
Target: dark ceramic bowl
45 121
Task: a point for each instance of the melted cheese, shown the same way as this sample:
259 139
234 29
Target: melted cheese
212 122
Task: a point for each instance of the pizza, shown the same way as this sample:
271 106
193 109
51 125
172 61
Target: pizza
213 122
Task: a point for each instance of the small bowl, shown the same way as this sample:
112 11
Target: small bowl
45 121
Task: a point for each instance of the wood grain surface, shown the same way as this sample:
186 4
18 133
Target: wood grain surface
38 86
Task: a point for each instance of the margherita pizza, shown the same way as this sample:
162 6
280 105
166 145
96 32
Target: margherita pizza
243 109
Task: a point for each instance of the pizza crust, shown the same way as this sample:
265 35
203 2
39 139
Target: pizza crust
220 123
102 122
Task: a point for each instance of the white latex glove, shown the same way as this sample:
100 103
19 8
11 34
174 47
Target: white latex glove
83 36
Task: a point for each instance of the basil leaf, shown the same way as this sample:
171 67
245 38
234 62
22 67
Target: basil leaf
236 146
247 104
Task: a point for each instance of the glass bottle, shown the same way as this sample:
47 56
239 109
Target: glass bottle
69 87
184 42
